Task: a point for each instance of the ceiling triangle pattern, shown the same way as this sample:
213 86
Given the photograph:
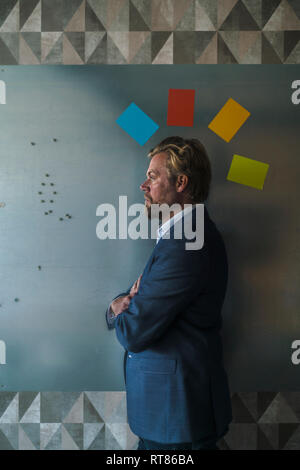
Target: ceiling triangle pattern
37 32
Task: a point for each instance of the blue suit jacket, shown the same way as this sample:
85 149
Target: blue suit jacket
176 384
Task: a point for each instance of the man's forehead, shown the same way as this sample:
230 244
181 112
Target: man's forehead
158 162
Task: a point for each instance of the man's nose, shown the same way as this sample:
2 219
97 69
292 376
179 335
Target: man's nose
143 186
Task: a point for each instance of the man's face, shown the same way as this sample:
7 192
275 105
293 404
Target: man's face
157 188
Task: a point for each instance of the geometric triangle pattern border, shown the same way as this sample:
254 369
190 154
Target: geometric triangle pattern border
76 32
264 420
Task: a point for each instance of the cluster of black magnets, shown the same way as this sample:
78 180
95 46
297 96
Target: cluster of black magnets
51 200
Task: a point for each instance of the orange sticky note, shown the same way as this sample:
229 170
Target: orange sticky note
229 120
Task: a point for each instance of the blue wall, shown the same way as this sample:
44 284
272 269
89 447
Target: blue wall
56 335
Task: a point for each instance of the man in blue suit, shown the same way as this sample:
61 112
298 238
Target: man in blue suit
169 321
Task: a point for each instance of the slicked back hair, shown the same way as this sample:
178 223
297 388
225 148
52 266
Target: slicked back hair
188 157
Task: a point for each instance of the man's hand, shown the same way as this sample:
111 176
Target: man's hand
135 287
121 303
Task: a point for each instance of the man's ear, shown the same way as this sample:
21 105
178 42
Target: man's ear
181 183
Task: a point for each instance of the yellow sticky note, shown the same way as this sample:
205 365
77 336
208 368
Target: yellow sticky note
246 171
229 120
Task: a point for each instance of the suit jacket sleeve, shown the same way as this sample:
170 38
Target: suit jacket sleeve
175 278
109 314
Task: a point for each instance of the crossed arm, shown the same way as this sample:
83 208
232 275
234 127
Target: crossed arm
121 303
174 281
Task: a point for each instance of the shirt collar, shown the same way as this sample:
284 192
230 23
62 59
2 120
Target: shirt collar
170 222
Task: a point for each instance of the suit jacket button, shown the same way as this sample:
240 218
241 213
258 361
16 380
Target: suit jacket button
129 355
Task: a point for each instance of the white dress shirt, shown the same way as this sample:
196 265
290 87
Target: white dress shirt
170 222
160 233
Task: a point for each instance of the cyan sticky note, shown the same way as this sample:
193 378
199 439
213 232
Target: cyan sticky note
137 124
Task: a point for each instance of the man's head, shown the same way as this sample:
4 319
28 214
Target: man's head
179 172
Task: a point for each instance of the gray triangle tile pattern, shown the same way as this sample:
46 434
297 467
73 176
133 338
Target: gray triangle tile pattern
37 32
184 47
187 20
8 437
136 21
77 41
159 39
210 7
11 40
25 401
73 436
96 48
33 41
92 22
94 420
239 19
143 56
225 56
268 9
6 8
29 436
269 55
267 436
255 9
296 7
291 39
6 56
26 10
202 40
94 437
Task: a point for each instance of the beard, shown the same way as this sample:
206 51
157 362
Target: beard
152 212
148 207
